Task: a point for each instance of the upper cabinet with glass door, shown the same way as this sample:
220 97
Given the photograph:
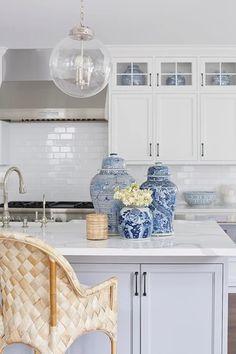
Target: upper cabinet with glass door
176 74
132 73
218 74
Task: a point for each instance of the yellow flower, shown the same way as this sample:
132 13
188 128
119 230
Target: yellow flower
133 195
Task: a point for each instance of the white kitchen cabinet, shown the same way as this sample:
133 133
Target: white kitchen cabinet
139 73
176 127
131 127
218 74
218 127
162 308
176 74
132 74
177 308
146 128
197 127
181 309
128 309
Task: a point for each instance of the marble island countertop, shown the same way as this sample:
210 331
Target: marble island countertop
191 238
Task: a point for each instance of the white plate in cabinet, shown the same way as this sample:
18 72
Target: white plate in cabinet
176 127
131 127
175 74
218 128
218 74
132 74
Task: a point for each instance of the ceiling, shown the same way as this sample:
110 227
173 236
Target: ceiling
42 23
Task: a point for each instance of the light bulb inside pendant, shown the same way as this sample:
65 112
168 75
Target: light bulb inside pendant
80 64
84 69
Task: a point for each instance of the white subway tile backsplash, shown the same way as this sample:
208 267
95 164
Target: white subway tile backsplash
58 159
194 177
59 130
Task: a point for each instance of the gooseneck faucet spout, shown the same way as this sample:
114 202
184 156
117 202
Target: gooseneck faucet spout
6 214
44 219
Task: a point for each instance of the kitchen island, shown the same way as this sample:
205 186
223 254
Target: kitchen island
172 290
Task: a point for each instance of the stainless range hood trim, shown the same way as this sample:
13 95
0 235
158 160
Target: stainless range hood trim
87 114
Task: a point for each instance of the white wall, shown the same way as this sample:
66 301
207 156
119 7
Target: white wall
61 158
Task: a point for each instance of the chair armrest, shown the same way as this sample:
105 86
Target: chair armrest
112 282
1 323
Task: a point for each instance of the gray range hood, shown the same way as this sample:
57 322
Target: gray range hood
27 92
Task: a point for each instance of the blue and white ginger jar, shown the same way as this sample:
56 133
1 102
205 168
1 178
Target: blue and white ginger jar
113 174
164 198
134 77
135 223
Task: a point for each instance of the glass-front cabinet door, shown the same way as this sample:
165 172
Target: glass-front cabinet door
218 73
176 73
132 73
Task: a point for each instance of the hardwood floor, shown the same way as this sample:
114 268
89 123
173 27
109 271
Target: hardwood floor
232 324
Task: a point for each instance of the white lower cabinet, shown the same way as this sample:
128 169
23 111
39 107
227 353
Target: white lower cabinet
177 309
162 309
182 310
128 309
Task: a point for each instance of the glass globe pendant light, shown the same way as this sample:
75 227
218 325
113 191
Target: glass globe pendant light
80 65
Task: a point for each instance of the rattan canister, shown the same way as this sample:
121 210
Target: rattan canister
97 226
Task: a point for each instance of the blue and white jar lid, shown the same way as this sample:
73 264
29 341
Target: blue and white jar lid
158 170
113 162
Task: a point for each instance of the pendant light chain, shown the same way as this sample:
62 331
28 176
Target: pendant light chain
82 13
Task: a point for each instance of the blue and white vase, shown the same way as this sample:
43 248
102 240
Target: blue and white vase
175 80
131 78
113 174
163 199
135 223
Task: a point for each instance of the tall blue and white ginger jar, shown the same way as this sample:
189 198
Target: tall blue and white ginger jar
113 174
164 198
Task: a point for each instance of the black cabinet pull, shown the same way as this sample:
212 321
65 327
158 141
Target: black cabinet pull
202 83
144 283
150 79
150 149
158 150
202 149
157 79
136 284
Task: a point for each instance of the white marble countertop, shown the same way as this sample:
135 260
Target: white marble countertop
191 238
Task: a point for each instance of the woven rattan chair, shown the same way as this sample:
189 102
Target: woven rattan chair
43 303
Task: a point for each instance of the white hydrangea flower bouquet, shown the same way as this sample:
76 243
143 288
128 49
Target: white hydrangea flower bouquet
134 196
